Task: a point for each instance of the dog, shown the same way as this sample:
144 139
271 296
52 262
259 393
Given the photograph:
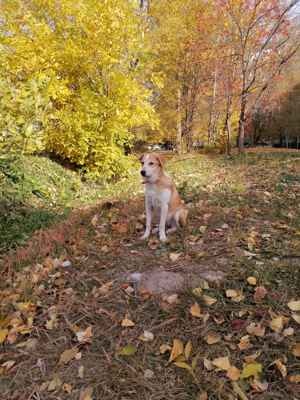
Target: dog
161 195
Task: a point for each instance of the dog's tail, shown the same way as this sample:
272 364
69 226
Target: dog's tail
182 217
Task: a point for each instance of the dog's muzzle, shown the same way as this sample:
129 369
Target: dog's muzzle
143 173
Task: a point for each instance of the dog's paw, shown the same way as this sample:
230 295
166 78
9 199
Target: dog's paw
144 237
162 238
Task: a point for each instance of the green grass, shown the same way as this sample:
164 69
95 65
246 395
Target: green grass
36 192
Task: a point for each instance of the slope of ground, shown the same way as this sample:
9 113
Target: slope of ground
72 326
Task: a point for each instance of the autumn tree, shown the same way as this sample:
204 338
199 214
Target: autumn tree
69 82
263 42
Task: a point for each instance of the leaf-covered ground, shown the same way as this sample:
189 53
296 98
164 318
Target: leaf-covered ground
72 328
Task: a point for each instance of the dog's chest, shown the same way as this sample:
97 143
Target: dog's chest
156 197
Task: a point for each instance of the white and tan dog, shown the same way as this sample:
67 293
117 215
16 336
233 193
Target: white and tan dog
161 195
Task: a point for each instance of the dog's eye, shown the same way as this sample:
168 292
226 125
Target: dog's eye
151 163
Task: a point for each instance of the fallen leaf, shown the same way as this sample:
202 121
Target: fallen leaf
252 369
252 280
222 363
7 365
86 394
164 348
3 335
67 388
208 364
231 293
54 384
147 336
296 318
197 291
148 374
256 329
288 332
195 310
188 350
212 338
174 256
209 300
244 343
177 349
105 288
94 220
281 367
127 323
252 357
172 299
259 386
68 355
294 378
260 293
294 305
128 350
277 324
296 350
85 336
233 373
81 372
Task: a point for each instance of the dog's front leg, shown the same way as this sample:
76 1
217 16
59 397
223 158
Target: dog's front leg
163 220
148 208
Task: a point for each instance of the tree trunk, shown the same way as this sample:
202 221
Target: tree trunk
241 129
212 114
179 123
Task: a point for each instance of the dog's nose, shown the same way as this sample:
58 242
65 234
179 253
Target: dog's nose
143 173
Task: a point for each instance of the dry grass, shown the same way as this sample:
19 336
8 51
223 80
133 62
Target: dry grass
255 197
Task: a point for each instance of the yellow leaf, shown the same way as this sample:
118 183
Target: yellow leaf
252 280
86 394
197 292
294 305
222 363
127 323
209 300
296 350
3 335
212 338
277 324
177 349
68 355
195 310
188 350
252 369
233 373
128 350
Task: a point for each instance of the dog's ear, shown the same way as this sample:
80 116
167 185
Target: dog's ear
159 160
142 158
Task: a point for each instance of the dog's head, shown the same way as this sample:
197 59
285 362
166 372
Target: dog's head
151 167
